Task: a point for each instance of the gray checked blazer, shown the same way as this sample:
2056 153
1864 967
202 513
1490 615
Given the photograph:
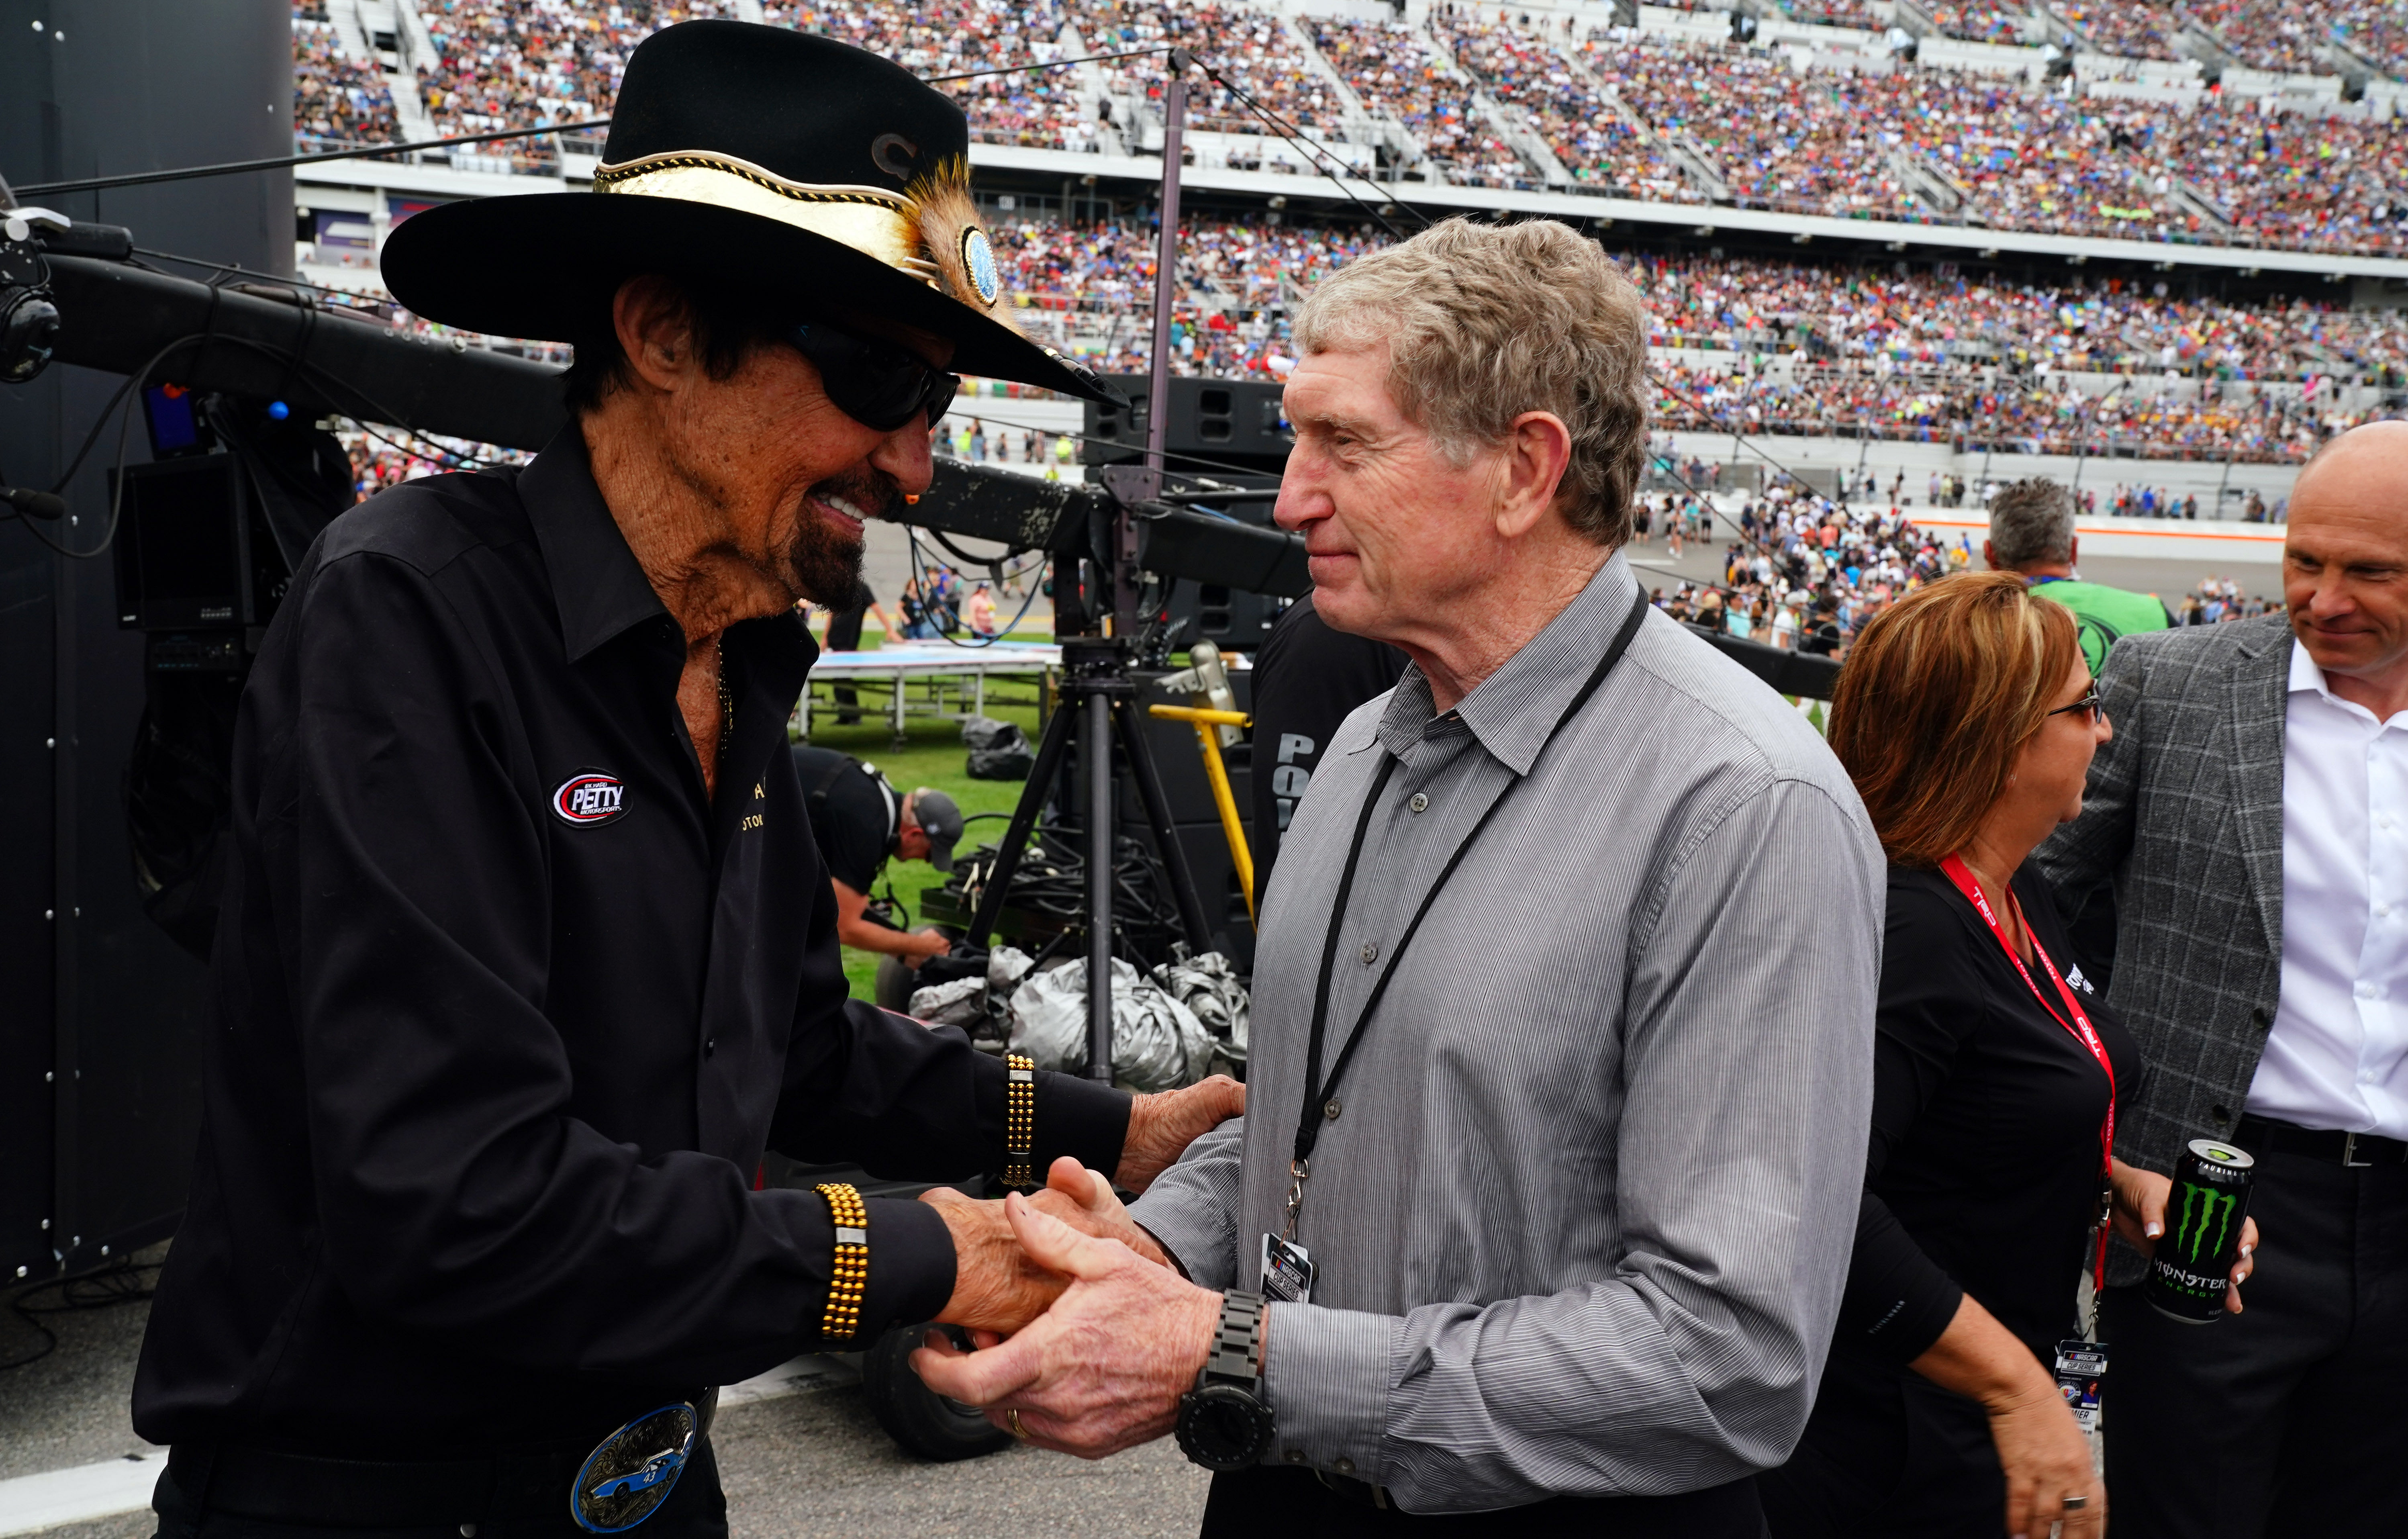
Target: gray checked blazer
2184 814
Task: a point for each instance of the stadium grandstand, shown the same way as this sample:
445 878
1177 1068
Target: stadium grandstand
2115 227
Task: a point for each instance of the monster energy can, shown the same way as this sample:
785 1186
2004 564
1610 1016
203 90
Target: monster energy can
2193 1265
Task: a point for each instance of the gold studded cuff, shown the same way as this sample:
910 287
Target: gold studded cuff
849 1269
1019 1120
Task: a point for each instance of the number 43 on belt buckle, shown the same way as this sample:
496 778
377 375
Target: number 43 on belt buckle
630 1473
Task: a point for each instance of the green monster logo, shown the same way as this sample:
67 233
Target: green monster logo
2204 1212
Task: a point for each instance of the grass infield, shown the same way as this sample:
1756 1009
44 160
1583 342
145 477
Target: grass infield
933 756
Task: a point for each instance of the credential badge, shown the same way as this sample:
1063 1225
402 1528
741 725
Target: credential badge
978 260
589 797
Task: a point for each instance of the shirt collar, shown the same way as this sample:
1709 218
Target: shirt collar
597 585
1511 710
2305 674
2308 679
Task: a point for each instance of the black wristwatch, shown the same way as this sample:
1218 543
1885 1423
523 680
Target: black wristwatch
1223 1424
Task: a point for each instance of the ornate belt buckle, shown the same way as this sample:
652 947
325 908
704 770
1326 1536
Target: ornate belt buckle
630 1473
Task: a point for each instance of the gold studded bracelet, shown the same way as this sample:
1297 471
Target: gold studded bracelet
1018 1119
849 1269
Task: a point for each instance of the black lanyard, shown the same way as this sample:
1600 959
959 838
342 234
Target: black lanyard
1310 1117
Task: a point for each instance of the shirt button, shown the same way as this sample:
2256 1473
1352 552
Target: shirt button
1294 1455
2366 991
2383 911
1420 803
1345 1466
1370 952
709 1045
1330 1111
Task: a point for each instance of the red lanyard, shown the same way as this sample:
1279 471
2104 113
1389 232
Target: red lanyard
2080 1026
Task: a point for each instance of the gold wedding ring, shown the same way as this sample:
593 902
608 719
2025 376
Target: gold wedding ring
1012 1421
2073 1503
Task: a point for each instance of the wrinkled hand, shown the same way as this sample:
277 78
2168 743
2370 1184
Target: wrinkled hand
1105 1216
1100 1371
997 1289
1161 1127
2047 1460
2141 1220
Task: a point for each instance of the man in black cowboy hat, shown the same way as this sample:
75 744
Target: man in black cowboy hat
526 954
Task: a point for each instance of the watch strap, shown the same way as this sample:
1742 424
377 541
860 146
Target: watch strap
1237 1351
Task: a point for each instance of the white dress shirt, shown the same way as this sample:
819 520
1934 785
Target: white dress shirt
2338 1054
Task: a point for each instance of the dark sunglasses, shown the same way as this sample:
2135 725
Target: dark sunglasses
877 384
2088 705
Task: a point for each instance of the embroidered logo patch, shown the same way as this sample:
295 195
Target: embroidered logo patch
589 797
978 260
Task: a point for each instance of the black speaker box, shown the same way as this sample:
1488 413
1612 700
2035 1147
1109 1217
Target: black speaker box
1225 424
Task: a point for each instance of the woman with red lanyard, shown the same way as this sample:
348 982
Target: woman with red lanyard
1967 717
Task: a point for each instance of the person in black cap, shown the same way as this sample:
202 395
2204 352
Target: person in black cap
859 821
526 954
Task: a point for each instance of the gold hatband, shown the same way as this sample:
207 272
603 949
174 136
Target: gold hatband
878 224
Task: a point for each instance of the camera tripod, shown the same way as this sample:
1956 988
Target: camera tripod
1099 703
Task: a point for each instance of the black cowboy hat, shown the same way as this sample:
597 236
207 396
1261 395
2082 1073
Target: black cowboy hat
749 156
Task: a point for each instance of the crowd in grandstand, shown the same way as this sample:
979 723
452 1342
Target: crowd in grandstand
336 99
1039 108
1589 136
1930 316
2005 413
1652 117
1920 315
1429 98
2277 35
1254 49
2318 184
1978 23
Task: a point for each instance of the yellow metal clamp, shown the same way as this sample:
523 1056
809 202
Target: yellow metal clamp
1208 743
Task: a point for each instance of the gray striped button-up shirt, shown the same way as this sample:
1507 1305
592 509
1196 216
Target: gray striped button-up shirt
1585 1214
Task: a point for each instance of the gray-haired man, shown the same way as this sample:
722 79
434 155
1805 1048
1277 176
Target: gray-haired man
1559 1096
2031 532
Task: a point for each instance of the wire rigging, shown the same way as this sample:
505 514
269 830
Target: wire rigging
1297 136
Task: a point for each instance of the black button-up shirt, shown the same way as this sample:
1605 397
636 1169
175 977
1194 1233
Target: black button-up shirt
506 1009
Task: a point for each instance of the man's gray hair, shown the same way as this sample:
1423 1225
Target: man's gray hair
1485 323
2031 520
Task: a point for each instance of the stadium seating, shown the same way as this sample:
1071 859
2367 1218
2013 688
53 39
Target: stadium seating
1475 99
1601 148
1505 101
1920 356
1033 107
337 100
2277 35
1978 23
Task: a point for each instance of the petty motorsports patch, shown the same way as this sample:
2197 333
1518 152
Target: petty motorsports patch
589 797
632 1472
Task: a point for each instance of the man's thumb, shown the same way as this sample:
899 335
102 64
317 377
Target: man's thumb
1055 1244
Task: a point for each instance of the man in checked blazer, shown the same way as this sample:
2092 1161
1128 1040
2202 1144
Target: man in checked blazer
2252 814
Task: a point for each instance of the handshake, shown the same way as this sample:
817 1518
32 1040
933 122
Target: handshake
1087 1332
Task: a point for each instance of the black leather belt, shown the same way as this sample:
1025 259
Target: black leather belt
260 1484
2329 1146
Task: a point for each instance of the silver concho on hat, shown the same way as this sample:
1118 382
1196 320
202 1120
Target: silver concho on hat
978 260
631 1472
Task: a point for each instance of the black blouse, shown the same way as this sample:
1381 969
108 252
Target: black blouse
1983 1174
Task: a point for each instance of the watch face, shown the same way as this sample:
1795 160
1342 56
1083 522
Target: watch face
1223 1428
